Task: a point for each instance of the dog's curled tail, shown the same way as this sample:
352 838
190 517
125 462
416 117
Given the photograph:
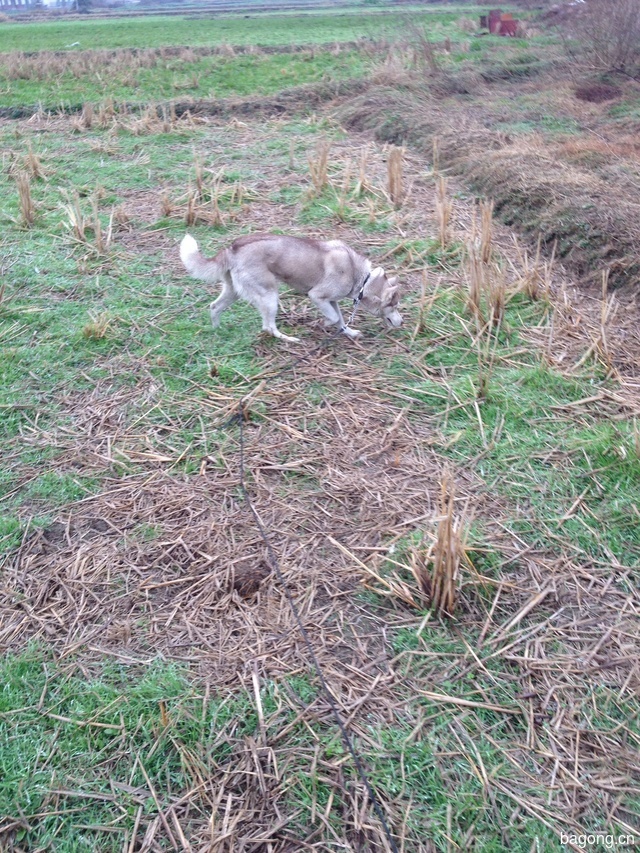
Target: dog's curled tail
206 269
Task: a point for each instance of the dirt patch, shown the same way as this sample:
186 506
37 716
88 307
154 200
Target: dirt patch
597 93
166 568
289 101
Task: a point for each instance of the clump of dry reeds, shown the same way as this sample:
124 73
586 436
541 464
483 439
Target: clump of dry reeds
395 174
486 279
101 240
435 156
475 272
75 220
97 327
166 205
169 118
496 293
32 164
82 226
424 50
533 278
345 189
437 571
467 25
191 215
394 70
444 208
424 307
600 347
202 205
487 286
106 113
362 184
85 120
238 193
199 173
27 207
121 218
87 116
486 231
216 189
319 166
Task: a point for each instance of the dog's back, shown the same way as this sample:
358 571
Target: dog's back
299 262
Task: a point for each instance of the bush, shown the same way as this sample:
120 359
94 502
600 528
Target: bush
609 34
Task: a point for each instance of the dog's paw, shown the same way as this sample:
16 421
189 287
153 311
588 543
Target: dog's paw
281 337
353 334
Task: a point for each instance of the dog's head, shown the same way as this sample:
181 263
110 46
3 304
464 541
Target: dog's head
381 297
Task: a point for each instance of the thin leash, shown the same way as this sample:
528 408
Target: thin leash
239 416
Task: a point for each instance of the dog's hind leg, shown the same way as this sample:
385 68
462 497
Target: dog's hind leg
264 297
226 298
267 305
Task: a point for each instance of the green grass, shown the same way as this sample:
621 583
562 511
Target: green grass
530 449
80 738
208 77
85 69
98 735
197 31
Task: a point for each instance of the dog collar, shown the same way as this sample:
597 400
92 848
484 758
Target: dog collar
361 293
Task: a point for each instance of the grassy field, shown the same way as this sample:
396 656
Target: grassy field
204 31
141 79
156 694
65 64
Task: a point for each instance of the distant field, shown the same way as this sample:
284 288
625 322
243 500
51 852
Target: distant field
65 64
195 30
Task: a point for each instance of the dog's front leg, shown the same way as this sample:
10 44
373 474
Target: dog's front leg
331 310
350 333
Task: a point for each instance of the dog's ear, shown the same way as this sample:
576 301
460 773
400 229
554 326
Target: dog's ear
391 295
376 272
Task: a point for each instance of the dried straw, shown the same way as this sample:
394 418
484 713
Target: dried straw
27 207
395 175
444 208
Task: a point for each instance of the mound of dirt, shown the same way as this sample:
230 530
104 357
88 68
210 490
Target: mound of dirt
590 215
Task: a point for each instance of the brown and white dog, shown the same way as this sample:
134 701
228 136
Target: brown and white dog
252 267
